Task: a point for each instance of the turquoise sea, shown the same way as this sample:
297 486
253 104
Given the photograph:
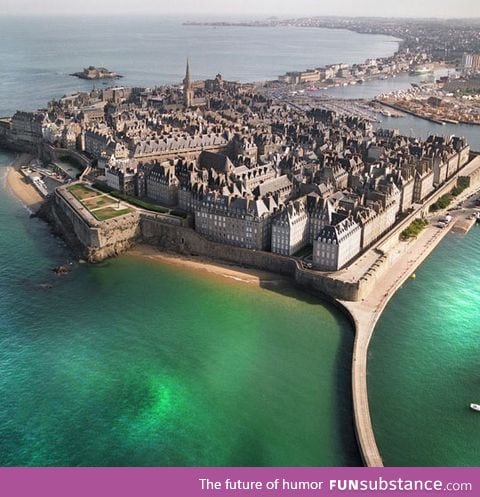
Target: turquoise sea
135 363
424 362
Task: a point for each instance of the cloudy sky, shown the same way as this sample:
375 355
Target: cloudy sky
411 8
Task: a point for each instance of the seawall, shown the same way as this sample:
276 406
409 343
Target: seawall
399 262
95 241
182 240
365 315
90 239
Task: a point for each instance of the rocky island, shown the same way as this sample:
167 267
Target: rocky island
92 73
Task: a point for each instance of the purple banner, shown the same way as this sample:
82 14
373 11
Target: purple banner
247 482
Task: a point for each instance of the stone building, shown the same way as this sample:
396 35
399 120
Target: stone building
290 229
405 182
242 222
337 245
121 180
423 185
251 177
320 214
280 187
26 129
161 184
96 141
439 171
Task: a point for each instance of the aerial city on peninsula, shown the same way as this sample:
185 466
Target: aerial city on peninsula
263 166
274 175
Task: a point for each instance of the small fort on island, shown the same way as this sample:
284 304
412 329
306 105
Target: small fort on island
92 73
253 175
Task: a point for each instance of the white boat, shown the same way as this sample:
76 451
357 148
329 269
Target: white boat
475 407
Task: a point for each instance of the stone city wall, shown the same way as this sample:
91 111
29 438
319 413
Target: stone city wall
182 240
95 241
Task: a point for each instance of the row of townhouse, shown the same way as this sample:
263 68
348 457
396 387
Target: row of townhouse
338 227
242 222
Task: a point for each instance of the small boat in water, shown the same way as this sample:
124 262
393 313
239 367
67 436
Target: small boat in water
475 407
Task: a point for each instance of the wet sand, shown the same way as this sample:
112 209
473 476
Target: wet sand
18 185
212 268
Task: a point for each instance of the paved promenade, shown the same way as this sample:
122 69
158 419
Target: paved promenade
403 261
366 314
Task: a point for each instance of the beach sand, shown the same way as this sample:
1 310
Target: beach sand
211 268
19 186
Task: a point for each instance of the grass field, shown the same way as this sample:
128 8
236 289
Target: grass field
109 213
81 191
99 201
100 205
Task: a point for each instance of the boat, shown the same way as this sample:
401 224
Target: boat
475 407
420 71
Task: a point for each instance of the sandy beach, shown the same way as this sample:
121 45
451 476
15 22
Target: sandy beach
19 186
212 268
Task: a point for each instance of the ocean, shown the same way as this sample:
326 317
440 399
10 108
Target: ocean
38 54
424 362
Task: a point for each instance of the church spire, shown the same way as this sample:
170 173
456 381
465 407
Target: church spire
187 87
187 74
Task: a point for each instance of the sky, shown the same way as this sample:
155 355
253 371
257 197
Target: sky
226 8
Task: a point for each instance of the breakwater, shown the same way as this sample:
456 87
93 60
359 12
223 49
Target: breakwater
398 263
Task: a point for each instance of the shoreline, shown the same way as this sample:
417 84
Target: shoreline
18 186
210 267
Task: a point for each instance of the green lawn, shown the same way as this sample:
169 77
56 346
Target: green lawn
99 205
110 213
96 202
81 191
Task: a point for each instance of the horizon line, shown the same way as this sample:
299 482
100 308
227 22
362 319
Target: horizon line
226 17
